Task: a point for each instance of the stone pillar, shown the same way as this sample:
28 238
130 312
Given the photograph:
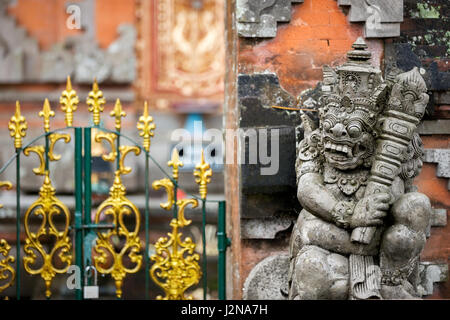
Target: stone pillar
274 54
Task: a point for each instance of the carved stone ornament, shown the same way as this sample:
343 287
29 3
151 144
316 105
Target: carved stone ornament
21 59
363 225
259 18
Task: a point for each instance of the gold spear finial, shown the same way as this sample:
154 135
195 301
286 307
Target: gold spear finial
96 102
69 102
175 163
118 113
203 175
17 127
46 113
146 126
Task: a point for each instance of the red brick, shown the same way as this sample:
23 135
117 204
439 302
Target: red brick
338 18
323 5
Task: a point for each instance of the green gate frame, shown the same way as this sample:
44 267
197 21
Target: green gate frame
83 225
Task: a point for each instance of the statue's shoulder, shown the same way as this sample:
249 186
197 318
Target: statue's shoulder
309 156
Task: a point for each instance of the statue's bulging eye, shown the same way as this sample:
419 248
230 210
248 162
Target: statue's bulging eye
354 130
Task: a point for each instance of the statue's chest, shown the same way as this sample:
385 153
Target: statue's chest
345 186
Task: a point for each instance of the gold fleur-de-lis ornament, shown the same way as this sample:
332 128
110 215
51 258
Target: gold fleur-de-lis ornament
17 127
69 102
96 102
146 126
175 163
203 175
46 113
118 114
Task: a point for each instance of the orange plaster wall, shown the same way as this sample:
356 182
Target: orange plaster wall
437 247
45 20
318 34
109 15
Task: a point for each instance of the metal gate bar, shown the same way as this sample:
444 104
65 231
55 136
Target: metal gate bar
83 225
79 207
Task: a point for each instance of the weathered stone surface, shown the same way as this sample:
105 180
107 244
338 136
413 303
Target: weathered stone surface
345 189
438 219
440 126
431 273
442 158
257 93
388 10
80 56
259 18
16 47
382 17
385 30
264 196
268 280
273 174
266 228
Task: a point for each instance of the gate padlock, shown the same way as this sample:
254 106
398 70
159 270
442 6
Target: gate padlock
90 292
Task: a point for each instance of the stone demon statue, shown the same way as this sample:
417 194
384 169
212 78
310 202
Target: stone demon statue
362 227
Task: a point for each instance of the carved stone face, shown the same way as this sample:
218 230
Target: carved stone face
347 137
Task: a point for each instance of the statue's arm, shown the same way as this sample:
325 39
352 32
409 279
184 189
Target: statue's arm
319 201
315 198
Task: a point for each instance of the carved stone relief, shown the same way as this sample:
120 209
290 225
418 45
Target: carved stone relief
442 158
363 224
21 60
190 48
258 19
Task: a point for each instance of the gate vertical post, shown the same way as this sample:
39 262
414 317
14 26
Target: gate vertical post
205 258
222 242
147 236
87 176
79 208
18 152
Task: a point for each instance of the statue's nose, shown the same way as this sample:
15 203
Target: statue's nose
338 130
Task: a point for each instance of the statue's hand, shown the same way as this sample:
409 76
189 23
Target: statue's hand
370 211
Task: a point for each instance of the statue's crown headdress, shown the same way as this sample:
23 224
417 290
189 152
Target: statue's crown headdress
357 84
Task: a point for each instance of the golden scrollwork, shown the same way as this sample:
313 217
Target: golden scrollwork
168 185
39 150
124 150
7 272
7 185
17 127
111 138
118 114
96 102
109 258
203 175
176 267
146 126
69 102
53 138
46 113
46 207
175 163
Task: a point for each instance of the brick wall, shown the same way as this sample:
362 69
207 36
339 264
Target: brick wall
319 33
